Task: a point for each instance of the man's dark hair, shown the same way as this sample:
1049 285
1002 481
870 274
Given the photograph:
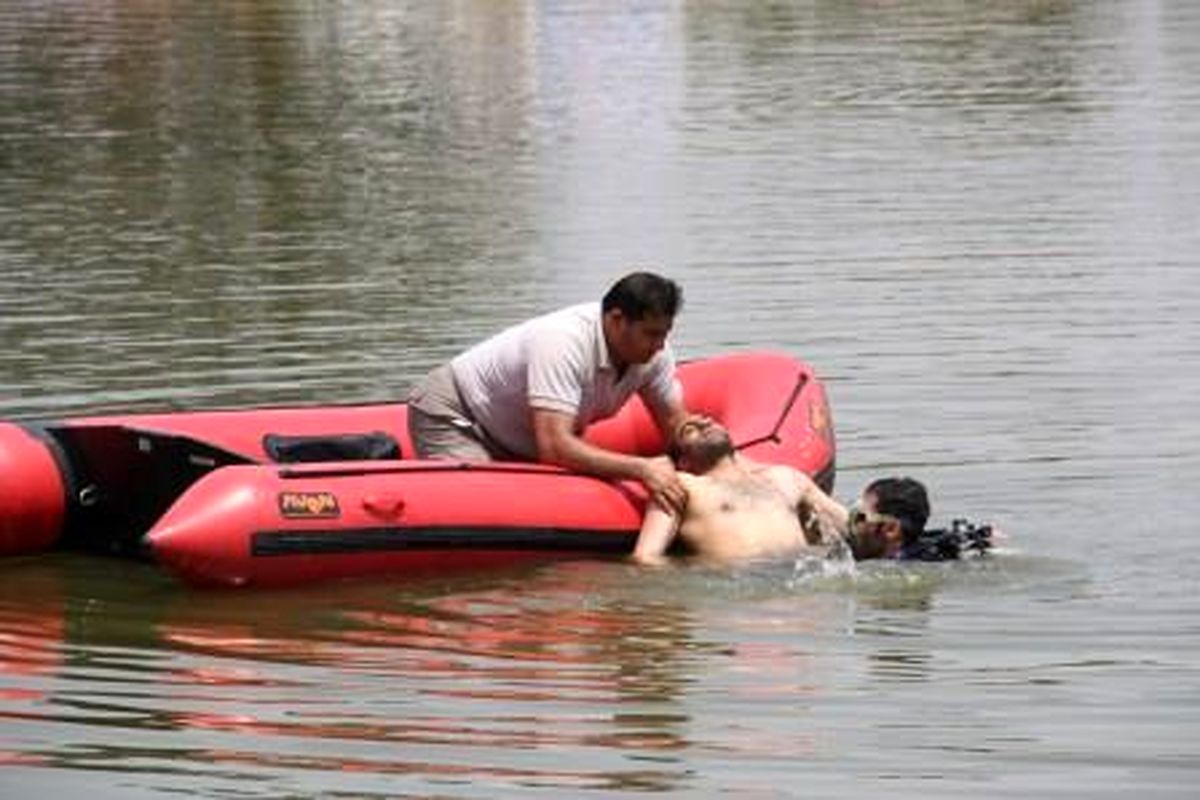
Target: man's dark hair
906 500
639 294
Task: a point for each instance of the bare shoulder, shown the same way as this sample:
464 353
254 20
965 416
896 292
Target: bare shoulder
697 485
702 491
764 468
778 472
790 480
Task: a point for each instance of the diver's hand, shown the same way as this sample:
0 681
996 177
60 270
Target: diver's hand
664 485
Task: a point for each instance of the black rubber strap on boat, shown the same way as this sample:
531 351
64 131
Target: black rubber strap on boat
385 539
773 436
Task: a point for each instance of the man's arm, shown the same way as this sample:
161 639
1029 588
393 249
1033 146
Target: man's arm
663 396
669 419
658 531
557 443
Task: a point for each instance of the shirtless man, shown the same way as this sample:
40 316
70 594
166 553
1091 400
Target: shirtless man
739 510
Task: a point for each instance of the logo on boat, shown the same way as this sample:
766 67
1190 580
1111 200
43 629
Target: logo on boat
310 505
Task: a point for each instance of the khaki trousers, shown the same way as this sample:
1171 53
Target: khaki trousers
441 426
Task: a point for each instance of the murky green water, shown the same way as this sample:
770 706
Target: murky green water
976 219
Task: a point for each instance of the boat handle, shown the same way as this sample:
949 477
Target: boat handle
384 505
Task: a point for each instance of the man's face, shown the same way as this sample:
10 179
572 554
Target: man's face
635 341
879 535
701 441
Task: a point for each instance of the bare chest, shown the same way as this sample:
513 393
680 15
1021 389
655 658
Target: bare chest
752 492
746 517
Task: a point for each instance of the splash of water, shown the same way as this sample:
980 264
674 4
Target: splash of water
834 560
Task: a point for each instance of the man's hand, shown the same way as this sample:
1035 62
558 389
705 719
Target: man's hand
661 480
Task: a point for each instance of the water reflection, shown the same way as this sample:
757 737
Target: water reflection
476 668
522 672
441 679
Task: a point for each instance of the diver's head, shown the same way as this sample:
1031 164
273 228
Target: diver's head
891 514
699 443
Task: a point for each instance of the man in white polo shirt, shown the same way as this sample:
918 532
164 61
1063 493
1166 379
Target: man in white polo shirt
529 392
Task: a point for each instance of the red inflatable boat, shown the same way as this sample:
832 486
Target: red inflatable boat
269 497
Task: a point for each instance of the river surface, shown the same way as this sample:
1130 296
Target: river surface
980 222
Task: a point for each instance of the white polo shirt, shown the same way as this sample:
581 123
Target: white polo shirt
558 362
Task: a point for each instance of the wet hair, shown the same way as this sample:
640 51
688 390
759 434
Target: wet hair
906 500
639 294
